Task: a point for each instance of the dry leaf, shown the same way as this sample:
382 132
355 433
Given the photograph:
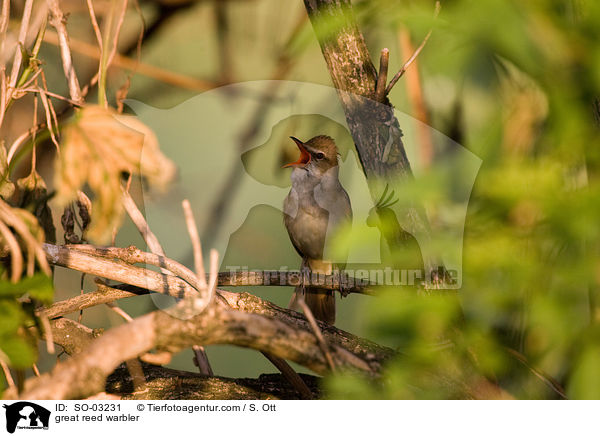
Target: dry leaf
97 148
28 245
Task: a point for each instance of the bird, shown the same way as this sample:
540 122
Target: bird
315 208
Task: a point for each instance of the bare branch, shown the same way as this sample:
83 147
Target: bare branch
141 277
119 311
384 60
337 282
118 27
102 295
6 370
18 58
95 26
72 336
243 302
291 376
4 19
196 244
200 357
132 255
141 224
47 332
50 94
313 324
58 22
84 374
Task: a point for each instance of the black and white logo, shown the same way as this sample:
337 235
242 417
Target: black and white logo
26 416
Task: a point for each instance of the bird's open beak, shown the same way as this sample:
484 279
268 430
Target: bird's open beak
304 158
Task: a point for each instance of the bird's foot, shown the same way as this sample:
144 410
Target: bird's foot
342 284
305 275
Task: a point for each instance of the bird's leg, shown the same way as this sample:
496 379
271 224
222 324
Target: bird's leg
305 273
337 271
299 292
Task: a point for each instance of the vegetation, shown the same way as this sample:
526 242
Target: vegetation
515 83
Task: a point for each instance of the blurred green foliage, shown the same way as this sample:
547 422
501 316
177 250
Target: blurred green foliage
514 82
522 79
18 301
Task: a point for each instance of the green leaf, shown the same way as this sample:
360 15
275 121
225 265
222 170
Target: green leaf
12 316
38 286
585 382
20 353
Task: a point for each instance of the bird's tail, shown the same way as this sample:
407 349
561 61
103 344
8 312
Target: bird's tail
321 303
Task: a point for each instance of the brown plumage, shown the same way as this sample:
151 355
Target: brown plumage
316 205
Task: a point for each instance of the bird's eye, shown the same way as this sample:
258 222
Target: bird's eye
319 155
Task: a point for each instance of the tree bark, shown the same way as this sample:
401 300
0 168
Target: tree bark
170 384
373 126
237 319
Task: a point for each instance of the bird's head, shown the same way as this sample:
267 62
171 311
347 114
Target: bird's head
318 154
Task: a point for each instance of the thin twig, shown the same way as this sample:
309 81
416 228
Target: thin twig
119 311
547 379
16 256
58 21
140 222
49 119
196 244
292 376
317 331
36 370
47 332
95 26
81 292
24 136
414 91
152 241
14 74
21 88
51 94
7 375
213 277
115 38
33 138
9 88
201 359
384 60
4 18
400 73
126 63
111 37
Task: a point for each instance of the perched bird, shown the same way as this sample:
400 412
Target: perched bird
315 207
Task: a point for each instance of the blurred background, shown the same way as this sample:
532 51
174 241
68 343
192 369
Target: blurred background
514 83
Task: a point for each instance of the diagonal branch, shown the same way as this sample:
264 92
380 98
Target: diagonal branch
244 302
85 373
